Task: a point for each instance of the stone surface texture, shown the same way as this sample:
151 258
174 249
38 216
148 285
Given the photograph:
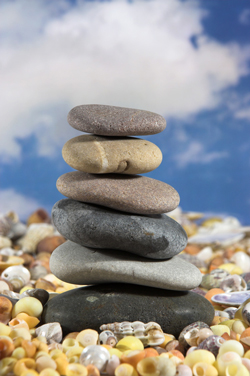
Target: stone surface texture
101 155
92 306
74 263
129 193
115 121
157 236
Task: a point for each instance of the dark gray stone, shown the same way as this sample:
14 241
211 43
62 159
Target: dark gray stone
92 306
157 237
74 263
39 294
115 121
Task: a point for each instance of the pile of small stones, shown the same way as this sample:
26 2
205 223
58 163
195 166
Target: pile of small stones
30 347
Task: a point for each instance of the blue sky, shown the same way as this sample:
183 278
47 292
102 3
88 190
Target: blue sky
186 60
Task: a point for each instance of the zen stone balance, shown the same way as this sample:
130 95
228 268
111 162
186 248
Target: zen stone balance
120 240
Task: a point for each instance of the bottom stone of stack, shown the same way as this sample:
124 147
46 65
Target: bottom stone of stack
80 265
93 306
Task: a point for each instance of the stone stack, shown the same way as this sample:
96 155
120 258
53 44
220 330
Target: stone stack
119 238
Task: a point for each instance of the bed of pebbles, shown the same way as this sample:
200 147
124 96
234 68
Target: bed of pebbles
218 247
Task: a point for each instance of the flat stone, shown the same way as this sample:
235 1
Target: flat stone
129 193
80 265
156 236
92 306
115 121
101 155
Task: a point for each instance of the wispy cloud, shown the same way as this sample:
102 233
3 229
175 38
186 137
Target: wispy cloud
10 200
196 154
244 17
55 55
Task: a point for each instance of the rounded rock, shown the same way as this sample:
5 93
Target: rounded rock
102 155
158 236
115 121
129 193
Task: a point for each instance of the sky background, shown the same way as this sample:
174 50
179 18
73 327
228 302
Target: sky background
186 60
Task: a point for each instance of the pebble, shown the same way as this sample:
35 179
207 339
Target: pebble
108 302
88 266
157 237
130 193
102 155
115 121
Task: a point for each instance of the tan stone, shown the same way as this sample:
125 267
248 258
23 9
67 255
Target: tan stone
100 155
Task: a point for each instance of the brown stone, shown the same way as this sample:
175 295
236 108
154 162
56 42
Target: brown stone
129 193
50 243
39 216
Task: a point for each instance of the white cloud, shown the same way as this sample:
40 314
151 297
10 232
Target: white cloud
13 201
244 17
136 54
196 153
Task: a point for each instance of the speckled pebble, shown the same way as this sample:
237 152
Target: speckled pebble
129 193
115 121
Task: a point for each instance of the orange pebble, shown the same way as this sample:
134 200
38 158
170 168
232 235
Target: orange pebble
92 370
29 347
226 336
5 309
176 353
192 249
211 293
149 351
6 347
133 357
215 263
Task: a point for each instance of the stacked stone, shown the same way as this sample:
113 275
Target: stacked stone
119 238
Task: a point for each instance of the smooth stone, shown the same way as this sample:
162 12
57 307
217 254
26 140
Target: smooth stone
93 306
129 193
157 237
80 265
115 121
102 155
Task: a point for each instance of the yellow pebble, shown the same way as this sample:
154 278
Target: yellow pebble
202 368
6 365
29 305
30 372
168 338
125 369
231 345
41 353
74 359
19 353
20 332
129 343
156 366
228 323
76 370
239 326
61 365
69 343
49 372
4 329
247 354
31 320
24 365
75 351
87 337
199 356
220 329
116 352
17 323
229 358
231 268
55 353
43 362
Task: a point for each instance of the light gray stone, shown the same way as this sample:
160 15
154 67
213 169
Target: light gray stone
129 193
156 236
73 263
115 121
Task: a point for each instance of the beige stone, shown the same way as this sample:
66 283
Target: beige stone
100 155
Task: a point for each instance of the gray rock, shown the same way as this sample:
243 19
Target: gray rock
115 121
129 193
157 237
73 263
92 306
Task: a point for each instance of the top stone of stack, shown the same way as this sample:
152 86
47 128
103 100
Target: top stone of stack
115 121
